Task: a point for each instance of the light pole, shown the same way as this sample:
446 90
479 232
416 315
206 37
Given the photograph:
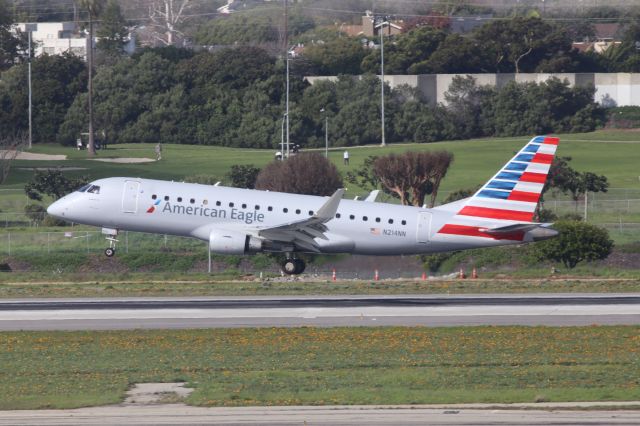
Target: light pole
380 27
29 28
284 119
326 133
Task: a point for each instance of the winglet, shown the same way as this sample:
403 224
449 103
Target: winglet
329 209
372 196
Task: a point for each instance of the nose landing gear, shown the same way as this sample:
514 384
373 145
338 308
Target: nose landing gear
111 237
293 266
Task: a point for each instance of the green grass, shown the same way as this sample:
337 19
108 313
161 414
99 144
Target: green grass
475 160
129 285
311 366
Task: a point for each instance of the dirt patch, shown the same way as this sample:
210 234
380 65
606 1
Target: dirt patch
125 160
157 393
39 157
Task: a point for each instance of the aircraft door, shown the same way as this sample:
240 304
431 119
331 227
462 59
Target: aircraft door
423 234
130 196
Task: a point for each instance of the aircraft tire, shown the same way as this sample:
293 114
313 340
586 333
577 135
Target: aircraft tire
109 252
290 266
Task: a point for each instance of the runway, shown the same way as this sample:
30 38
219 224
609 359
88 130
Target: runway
321 311
340 415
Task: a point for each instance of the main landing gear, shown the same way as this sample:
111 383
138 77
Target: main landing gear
293 266
111 237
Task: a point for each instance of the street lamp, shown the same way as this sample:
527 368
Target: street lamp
29 28
326 133
284 120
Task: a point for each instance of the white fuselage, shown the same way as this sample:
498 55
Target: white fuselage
194 210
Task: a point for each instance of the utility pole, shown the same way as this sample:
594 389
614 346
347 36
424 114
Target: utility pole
286 55
326 133
29 28
381 30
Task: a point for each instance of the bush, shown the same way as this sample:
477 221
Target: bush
35 212
577 242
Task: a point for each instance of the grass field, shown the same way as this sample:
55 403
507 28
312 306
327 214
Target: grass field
612 153
311 366
146 285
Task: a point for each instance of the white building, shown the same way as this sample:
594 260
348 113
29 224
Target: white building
55 38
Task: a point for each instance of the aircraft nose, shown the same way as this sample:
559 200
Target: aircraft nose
57 209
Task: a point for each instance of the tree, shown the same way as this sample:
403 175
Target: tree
243 176
11 44
10 147
563 178
305 173
338 56
577 242
166 16
93 8
413 175
112 32
52 182
59 79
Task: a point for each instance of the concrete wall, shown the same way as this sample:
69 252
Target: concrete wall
612 89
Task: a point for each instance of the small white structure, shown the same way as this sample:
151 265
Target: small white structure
55 38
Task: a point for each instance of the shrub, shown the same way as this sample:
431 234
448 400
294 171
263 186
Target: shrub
577 242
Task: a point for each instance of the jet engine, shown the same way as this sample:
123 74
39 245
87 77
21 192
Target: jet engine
232 242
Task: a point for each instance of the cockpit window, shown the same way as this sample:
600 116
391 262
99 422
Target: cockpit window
84 188
94 189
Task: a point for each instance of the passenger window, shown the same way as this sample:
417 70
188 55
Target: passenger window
231 204
337 215
365 218
166 198
257 207
94 189
154 196
192 201
179 199
218 203
404 222
377 219
244 206
205 202
297 211
390 220
310 212
351 217
270 208
286 210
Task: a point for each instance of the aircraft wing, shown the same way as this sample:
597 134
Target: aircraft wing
303 232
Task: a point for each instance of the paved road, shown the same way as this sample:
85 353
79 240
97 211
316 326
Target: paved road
324 311
359 415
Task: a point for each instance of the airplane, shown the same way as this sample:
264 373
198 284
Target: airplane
238 221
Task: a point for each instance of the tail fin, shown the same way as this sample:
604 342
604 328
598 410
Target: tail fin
511 196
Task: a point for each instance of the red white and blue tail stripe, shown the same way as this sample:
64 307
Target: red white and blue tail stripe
510 197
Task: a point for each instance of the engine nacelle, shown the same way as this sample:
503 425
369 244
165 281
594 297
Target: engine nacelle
231 242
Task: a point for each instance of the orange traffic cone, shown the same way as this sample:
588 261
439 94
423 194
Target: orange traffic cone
333 275
376 276
474 273
462 276
424 276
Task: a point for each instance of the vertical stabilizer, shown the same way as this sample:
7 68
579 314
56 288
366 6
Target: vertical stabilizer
509 197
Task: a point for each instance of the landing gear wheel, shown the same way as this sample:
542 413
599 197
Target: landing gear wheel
290 266
109 252
293 266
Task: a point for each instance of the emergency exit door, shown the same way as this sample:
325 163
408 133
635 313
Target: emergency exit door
424 227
